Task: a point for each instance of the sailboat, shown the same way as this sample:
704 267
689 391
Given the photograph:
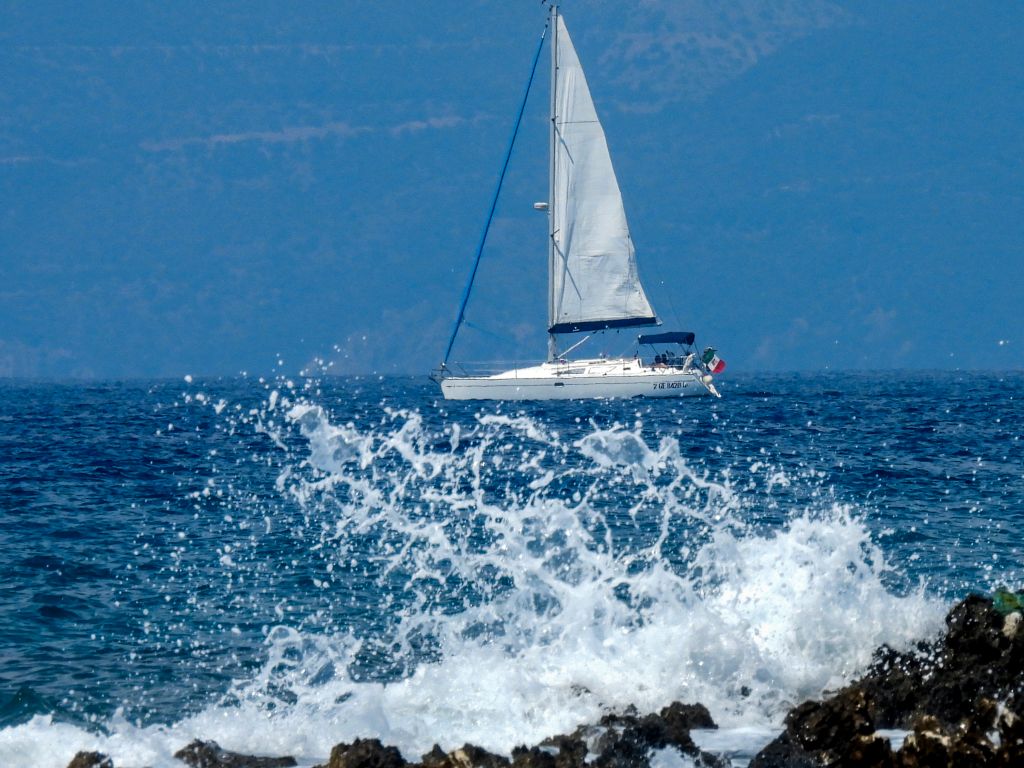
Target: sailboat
593 281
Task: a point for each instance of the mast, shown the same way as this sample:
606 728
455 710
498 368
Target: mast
552 144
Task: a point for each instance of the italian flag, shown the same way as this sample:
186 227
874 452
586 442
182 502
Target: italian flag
714 363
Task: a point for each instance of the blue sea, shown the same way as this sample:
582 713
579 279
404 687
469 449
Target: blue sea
284 564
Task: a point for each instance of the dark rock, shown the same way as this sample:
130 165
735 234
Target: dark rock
978 659
679 719
867 751
628 735
975 629
208 754
570 751
632 747
981 656
784 752
654 730
472 756
628 748
929 745
893 685
612 745
687 716
91 760
619 741
945 691
934 744
984 718
831 724
1011 740
435 758
467 756
365 753
838 731
707 760
533 757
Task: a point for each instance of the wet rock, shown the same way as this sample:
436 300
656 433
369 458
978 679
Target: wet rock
968 744
208 754
867 751
934 744
535 757
707 760
91 760
975 629
627 740
626 750
983 721
784 752
837 731
831 724
435 758
945 692
893 684
471 756
627 735
679 716
569 751
977 659
1011 739
365 753
619 740
928 745
554 752
467 756
861 751
981 656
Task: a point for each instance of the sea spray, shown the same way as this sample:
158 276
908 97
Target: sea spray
535 582
497 578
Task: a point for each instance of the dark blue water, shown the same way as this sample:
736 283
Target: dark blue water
155 533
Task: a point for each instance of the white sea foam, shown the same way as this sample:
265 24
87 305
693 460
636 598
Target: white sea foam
550 581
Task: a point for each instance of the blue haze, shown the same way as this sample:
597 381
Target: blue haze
203 187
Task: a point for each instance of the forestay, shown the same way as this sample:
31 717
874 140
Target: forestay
593 274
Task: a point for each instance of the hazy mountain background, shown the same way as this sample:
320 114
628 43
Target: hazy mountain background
206 187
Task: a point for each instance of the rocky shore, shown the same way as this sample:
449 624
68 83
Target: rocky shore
960 699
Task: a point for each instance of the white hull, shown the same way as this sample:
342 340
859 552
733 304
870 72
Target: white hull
577 380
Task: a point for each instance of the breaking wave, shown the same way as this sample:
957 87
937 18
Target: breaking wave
500 580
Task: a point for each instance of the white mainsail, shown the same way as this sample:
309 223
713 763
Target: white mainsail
593 275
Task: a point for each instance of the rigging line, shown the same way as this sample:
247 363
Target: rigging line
487 332
631 344
494 202
664 292
672 306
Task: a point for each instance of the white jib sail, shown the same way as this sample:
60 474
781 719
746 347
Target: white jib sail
593 273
